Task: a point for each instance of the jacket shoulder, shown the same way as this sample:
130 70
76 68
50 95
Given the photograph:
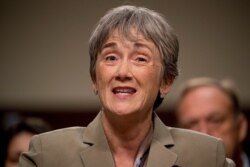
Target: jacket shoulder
64 145
71 131
190 144
58 140
188 139
190 135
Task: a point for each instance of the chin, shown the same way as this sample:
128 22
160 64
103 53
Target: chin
123 111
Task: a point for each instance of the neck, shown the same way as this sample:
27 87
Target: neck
126 133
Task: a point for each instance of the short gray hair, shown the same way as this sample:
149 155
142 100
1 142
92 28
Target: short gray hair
150 23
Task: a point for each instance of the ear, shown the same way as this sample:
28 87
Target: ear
242 125
94 88
165 87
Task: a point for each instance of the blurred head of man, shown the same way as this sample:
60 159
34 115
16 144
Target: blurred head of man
212 107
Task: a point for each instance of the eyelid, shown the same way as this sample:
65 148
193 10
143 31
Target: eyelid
191 123
110 56
141 59
142 55
108 52
217 119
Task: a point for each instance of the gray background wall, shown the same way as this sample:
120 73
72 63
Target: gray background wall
44 47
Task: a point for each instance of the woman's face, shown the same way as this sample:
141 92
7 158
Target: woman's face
128 74
17 145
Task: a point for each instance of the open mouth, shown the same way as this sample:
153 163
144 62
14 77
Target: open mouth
123 90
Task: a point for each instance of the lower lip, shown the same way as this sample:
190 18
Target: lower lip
123 95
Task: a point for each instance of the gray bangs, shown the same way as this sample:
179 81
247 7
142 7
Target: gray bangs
142 20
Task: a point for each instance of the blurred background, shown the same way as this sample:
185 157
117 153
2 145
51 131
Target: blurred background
44 53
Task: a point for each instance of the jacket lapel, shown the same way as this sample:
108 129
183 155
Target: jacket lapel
98 152
94 157
160 154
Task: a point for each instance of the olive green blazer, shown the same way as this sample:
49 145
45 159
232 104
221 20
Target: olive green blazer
88 147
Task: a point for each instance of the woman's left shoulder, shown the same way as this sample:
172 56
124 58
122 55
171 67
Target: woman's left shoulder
196 138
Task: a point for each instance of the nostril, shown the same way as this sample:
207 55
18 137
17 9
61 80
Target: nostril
123 78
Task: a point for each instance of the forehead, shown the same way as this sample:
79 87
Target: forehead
206 100
132 35
134 40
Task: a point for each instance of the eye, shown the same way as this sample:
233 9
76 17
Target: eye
216 121
141 59
110 58
192 124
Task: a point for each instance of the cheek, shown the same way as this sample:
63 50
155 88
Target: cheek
229 139
230 146
227 132
102 76
153 75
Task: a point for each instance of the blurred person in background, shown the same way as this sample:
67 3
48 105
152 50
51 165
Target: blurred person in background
133 63
212 107
16 138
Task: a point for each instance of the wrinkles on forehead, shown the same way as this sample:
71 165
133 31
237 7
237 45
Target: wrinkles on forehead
136 42
132 34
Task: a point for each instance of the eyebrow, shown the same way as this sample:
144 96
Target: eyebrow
109 45
215 114
137 45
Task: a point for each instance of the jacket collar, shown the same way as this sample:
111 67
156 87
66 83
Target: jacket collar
160 154
98 152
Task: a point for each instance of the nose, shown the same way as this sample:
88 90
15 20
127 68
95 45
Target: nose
124 71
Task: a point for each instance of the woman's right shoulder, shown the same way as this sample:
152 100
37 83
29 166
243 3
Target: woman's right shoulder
60 136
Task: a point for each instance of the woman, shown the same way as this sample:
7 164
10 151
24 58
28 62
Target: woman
133 64
16 138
